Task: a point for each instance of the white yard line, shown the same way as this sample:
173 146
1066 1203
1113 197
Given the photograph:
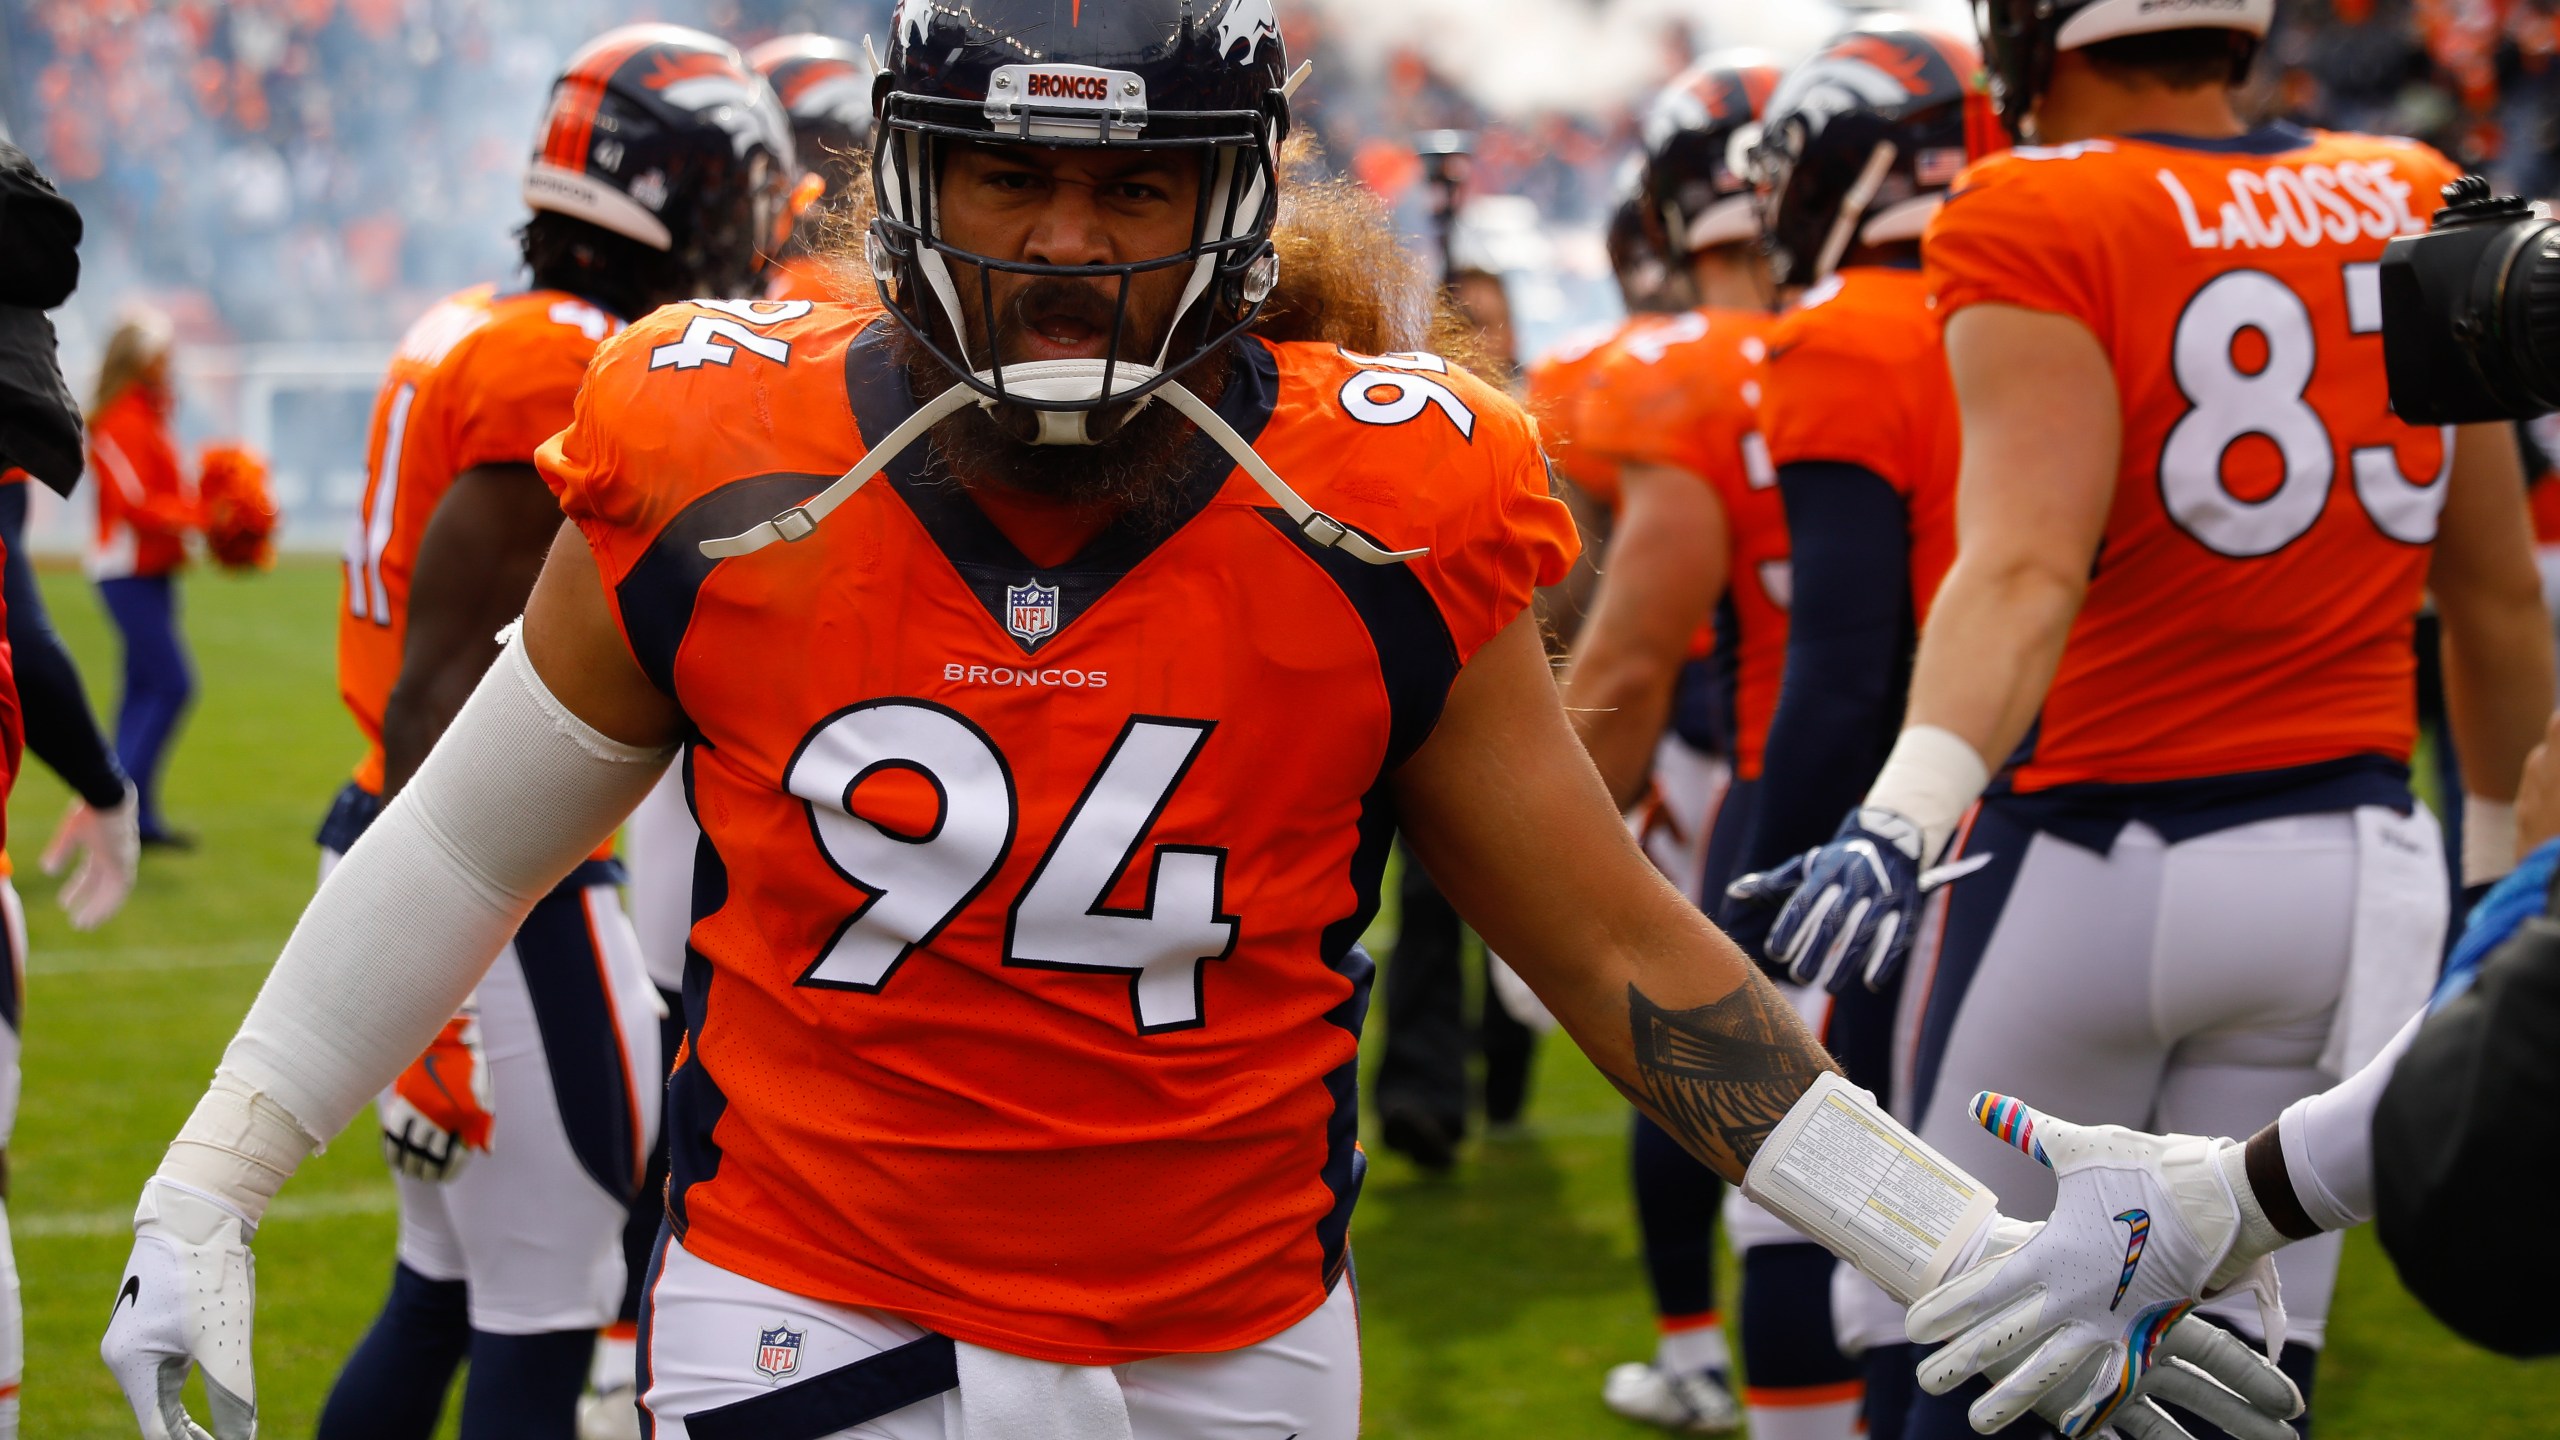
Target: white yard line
232 955
42 1225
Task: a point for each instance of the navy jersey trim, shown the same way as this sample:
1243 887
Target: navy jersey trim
657 598
987 562
581 1041
1346 1169
834 1401
1417 657
2276 137
2091 815
1973 912
695 1102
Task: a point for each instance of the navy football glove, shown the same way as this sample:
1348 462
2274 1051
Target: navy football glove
1851 905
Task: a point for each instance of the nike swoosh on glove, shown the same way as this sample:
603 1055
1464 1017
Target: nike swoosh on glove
1851 905
2091 1310
438 1113
188 1296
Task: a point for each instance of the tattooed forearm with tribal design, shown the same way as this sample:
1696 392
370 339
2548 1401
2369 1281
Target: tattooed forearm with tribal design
1720 1077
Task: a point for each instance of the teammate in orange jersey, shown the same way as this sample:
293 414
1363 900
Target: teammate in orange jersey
1046 790
2193 544
1698 542
1859 419
824 85
550 1077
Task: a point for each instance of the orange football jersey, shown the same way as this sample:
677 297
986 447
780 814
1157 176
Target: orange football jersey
1686 393
2264 559
1026 998
1857 375
480 379
1555 391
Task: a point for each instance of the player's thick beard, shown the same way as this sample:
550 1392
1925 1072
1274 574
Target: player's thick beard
1134 475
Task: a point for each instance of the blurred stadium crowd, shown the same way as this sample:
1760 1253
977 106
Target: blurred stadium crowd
307 170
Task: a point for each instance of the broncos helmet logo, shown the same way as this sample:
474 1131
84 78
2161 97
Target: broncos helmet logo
1247 22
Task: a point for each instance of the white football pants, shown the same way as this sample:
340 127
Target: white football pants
706 1361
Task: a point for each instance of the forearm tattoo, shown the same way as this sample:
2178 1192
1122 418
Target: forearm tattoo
1720 1077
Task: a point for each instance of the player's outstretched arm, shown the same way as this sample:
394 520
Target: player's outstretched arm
1659 584
2041 434
1508 813
554 748
2497 639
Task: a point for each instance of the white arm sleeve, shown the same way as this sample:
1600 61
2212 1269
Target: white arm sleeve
513 797
2328 1139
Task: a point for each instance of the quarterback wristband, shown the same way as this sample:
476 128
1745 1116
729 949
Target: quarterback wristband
1932 777
1846 1174
2488 841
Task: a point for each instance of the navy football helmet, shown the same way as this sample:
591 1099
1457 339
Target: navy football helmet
1697 189
1206 78
824 85
664 136
1862 141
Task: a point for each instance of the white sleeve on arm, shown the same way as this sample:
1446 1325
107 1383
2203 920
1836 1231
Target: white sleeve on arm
2328 1139
513 797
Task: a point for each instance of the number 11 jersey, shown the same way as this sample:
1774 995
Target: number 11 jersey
2260 573
1024 997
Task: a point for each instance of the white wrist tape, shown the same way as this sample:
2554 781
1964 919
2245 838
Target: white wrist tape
237 1147
514 796
1848 1175
1932 777
2488 840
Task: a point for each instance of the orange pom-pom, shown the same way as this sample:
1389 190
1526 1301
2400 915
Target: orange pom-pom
240 513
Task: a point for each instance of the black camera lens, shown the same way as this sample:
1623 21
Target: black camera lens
2471 312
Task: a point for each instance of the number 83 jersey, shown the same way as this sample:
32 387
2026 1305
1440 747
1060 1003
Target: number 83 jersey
1024 995
2262 565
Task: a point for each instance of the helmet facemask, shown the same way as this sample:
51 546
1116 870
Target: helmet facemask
1230 267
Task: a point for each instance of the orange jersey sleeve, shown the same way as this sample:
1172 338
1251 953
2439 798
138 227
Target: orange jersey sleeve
2266 548
1556 391
1686 394
480 379
1857 375
1031 995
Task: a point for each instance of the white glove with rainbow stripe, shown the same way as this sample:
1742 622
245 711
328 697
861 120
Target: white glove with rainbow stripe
2070 1322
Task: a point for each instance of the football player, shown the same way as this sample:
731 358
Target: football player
824 85
2193 544
1046 789
1858 415
1677 667
660 173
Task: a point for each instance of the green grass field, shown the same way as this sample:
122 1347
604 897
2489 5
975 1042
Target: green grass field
1493 1300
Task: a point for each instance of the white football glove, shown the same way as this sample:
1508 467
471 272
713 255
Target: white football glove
2075 1319
189 1294
437 1115
108 846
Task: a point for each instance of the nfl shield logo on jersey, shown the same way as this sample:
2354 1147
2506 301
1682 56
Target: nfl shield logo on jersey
1031 611
777 1351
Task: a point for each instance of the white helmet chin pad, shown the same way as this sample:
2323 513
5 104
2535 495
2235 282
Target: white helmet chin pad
1043 384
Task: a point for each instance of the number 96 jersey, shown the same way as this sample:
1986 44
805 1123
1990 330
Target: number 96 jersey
1024 994
2262 565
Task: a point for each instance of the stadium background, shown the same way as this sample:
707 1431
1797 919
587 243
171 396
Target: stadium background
294 180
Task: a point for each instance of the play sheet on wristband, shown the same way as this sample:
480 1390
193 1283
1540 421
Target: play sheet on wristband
1843 1172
